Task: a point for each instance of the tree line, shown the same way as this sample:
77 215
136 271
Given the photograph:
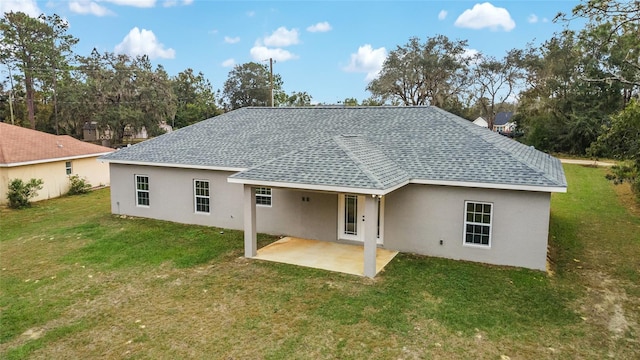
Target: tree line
574 93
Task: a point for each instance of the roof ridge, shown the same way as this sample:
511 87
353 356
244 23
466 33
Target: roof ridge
492 138
351 152
523 160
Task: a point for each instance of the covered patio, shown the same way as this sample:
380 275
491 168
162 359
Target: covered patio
352 167
325 255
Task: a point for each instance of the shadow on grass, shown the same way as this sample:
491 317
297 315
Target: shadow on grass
117 243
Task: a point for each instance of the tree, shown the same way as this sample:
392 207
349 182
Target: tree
350 102
195 98
371 102
75 105
559 110
124 94
429 73
495 82
613 32
37 47
299 98
621 140
249 85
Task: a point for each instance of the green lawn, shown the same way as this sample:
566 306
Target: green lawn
78 282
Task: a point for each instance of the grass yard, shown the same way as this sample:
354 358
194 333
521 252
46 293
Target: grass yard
78 282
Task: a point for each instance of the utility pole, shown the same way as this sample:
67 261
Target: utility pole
55 98
271 78
11 95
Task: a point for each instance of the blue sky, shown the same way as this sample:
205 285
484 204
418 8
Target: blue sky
330 49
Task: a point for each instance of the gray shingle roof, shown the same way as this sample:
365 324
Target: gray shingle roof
342 161
502 118
360 147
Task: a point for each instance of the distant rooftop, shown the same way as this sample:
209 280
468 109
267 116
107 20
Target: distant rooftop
502 118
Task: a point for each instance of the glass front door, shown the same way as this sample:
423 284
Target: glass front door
351 210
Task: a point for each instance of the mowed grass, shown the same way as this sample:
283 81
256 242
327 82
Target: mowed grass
78 282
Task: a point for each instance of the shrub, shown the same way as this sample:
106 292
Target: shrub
20 193
78 185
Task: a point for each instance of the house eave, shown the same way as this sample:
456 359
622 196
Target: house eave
381 192
182 166
517 187
44 161
316 187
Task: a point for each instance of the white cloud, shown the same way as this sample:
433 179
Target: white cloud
320 27
473 55
271 46
228 63
486 15
532 19
28 7
470 53
88 7
261 53
442 14
367 60
135 3
170 3
143 42
231 40
282 37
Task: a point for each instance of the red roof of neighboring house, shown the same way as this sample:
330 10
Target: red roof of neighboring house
22 145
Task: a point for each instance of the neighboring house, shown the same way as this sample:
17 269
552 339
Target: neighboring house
481 122
26 154
91 132
412 179
502 123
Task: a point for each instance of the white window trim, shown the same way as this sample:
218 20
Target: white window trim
195 197
465 223
139 190
270 196
68 169
341 215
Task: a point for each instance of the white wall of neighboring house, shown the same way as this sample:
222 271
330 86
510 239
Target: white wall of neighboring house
54 176
481 122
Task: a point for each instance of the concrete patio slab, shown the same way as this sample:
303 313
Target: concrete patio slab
344 258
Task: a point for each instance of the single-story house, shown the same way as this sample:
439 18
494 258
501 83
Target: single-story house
502 123
480 121
26 154
411 179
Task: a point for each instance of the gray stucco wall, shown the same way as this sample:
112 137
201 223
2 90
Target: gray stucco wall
171 198
417 217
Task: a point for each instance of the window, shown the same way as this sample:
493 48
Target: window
68 167
351 214
142 190
201 193
477 223
263 196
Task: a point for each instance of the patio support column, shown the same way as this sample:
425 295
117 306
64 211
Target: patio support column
370 219
250 238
